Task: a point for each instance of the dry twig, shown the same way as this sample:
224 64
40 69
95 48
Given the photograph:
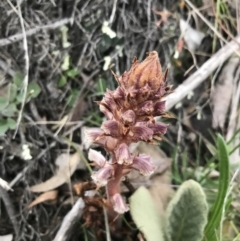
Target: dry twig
202 73
25 81
72 217
30 32
10 210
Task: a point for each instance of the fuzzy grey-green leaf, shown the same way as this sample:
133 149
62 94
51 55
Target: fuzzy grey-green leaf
145 215
187 213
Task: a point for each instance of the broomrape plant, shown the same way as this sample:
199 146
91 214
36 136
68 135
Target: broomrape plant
130 112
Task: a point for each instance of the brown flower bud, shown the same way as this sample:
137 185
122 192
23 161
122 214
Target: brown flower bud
147 72
128 118
112 128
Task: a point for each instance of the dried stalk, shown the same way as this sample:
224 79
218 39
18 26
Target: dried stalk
202 73
72 217
26 74
17 37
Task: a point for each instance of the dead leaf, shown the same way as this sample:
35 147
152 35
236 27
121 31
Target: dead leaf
62 162
158 158
222 93
5 185
181 4
229 233
81 188
161 190
165 14
79 109
60 177
8 237
234 4
208 7
70 200
191 36
47 196
159 182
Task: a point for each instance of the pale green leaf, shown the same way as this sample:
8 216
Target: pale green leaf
3 126
11 124
19 98
62 81
10 110
34 89
3 102
187 213
145 215
12 92
18 79
72 73
73 97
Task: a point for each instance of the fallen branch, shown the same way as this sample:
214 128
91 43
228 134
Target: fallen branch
10 210
202 73
20 36
70 219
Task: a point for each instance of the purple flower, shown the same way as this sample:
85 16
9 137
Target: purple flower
130 112
158 128
159 108
106 170
128 118
111 127
96 157
118 203
146 108
123 155
92 135
142 133
143 164
102 176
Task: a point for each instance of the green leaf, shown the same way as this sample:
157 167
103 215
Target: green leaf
12 92
72 72
10 110
187 213
3 102
62 81
145 215
215 215
101 86
19 98
72 98
33 89
11 123
66 62
3 126
18 79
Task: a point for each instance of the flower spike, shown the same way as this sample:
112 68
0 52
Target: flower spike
130 110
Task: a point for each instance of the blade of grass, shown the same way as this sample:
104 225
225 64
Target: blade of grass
215 215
